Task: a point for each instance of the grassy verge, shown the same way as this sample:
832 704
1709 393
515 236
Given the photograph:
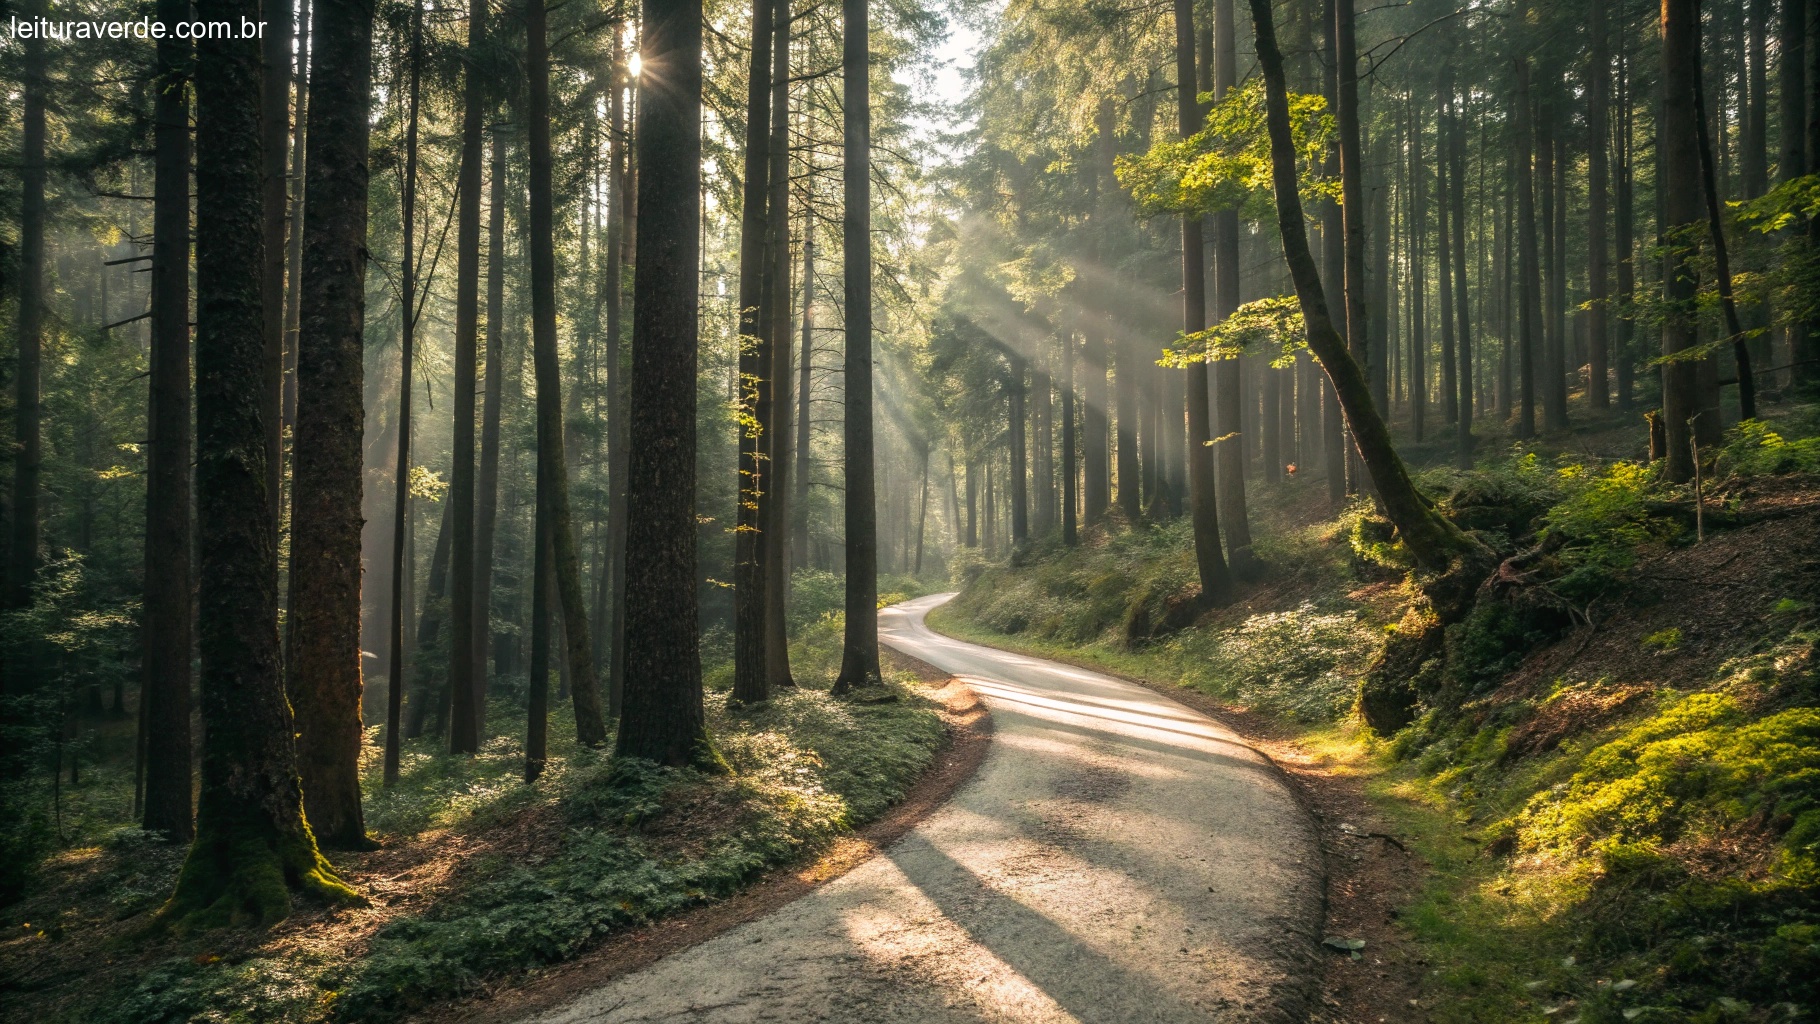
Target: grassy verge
1620 820
482 879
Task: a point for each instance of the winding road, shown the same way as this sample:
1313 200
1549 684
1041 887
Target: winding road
1117 858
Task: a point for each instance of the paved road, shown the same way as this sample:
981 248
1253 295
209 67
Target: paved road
1117 858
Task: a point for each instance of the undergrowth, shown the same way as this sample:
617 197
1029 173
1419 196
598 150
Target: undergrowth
599 845
1599 850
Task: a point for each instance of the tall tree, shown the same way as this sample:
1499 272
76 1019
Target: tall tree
552 477
1456 155
618 219
27 430
859 648
323 667
275 97
774 522
1203 499
252 844
1679 143
1070 480
407 350
662 718
467 695
1227 382
168 620
1436 544
799 500
486 499
1529 273
755 390
1598 280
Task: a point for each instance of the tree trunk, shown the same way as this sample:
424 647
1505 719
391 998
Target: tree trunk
1095 429
1434 542
1125 382
1418 286
859 656
1203 498
275 114
324 670
1015 438
1747 385
401 475
1679 142
1530 309
1450 386
1624 238
293 307
27 441
553 498
662 718
252 845
1042 444
775 512
1463 440
537 716
1598 86
617 427
749 551
486 500
1070 521
465 698
1227 383
168 625
799 501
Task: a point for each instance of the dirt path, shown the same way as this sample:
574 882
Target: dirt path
1118 858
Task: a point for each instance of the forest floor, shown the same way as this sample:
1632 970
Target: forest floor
1607 812
484 885
1118 858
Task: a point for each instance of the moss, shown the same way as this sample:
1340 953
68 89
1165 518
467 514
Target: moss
242 871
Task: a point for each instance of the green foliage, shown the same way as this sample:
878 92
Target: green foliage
1600 526
1753 449
1272 325
632 841
1226 165
1298 666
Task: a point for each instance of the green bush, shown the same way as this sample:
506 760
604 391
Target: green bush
1299 665
1753 449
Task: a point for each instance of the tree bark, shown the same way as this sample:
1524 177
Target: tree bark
1530 307
1679 142
27 436
401 476
1709 186
775 518
799 501
324 670
252 845
1228 387
466 700
1598 281
617 427
1016 439
749 634
1418 286
1096 444
486 500
168 625
859 655
662 718
553 498
1463 440
1070 491
275 113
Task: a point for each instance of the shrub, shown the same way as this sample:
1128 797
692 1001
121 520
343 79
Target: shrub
1753 449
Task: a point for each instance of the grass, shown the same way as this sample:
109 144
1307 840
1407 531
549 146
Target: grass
497 878
1610 841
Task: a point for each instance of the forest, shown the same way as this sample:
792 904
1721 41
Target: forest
1055 510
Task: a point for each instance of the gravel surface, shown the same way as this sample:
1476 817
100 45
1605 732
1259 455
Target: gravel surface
1118 858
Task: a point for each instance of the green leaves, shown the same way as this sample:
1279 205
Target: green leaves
1226 165
1272 324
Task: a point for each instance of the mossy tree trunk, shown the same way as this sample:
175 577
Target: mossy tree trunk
252 847
324 663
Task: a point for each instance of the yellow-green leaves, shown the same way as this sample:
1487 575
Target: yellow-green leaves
1268 325
1226 165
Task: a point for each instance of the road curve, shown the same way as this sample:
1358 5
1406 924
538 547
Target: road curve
1117 858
